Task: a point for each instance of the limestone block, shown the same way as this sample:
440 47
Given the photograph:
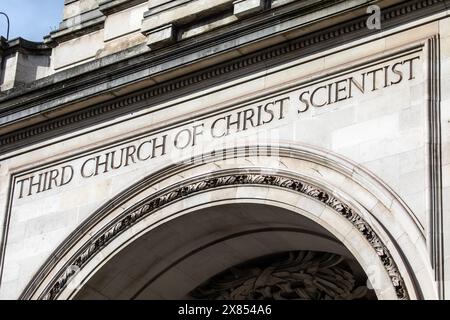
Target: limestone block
160 36
181 13
8 72
245 7
124 22
278 3
77 7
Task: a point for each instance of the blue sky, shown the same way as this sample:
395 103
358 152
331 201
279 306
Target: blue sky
30 19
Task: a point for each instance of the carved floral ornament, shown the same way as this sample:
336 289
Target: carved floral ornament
295 275
153 203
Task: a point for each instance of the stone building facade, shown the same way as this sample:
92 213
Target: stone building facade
211 149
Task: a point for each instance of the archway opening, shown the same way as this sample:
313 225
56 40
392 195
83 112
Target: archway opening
293 275
232 251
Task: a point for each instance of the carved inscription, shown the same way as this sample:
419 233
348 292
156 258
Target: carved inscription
289 106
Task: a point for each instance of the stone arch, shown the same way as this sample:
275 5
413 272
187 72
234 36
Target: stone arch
211 239
351 203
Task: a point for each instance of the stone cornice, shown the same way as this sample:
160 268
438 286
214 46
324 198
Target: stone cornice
19 102
22 45
435 152
183 10
279 277
87 21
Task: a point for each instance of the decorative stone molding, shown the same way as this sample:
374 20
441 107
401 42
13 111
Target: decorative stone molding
241 8
23 46
150 205
112 6
160 21
295 275
434 129
86 20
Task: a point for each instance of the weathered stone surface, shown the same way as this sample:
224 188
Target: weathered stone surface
160 36
293 123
